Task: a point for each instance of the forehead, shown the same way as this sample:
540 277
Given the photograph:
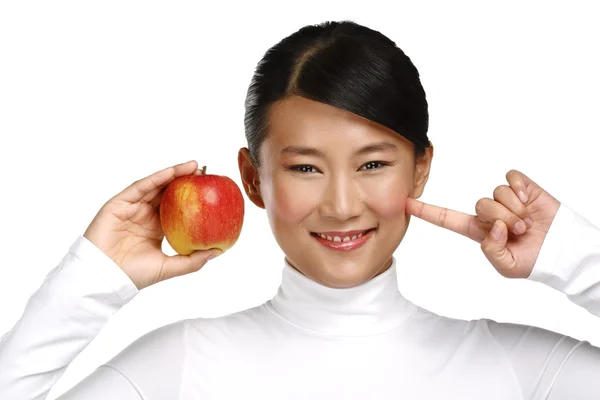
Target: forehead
298 120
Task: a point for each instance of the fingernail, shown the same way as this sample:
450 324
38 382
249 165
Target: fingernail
519 228
529 222
523 196
214 254
496 231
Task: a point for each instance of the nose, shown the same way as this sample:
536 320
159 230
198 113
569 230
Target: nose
342 199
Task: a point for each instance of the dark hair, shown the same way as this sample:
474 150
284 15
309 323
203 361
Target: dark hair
345 65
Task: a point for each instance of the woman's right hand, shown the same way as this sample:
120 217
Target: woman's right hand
128 230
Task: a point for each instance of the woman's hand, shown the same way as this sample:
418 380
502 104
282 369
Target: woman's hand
511 227
127 229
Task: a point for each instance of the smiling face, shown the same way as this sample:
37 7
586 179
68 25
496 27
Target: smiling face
334 186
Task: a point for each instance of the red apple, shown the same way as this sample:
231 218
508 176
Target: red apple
200 212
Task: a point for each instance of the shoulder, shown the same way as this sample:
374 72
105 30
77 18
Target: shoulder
516 338
428 323
243 323
154 363
157 361
177 335
538 356
150 347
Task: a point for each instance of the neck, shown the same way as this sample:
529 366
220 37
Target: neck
373 307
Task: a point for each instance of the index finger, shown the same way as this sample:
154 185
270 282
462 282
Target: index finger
456 221
142 187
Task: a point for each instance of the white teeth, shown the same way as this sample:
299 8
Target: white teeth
338 238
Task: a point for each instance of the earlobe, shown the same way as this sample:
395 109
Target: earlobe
249 177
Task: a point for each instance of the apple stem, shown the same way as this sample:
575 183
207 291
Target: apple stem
204 170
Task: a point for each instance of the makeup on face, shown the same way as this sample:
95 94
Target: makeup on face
334 188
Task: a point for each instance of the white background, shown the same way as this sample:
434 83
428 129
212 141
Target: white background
94 95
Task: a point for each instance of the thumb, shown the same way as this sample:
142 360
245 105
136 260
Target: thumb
494 248
178 265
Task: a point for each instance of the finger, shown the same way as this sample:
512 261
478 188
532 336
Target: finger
147 188
519 182
155 196
179 265
489 210
456 221
521 185
506 196
494 249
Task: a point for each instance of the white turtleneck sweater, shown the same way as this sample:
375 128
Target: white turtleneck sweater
309 341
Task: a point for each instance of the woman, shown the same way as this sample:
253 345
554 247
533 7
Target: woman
338 154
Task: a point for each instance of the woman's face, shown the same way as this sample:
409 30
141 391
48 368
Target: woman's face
334 186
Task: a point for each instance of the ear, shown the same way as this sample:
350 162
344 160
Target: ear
422 168
249 175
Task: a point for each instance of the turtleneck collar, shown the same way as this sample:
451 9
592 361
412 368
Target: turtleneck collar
373 307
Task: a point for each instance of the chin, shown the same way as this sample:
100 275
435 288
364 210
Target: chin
339 269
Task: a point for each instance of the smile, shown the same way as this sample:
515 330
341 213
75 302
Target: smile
343 240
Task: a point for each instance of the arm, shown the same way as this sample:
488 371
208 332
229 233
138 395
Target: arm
548 365
569 260
102 272
60 319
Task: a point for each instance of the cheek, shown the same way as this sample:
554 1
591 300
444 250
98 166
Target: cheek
388 199
392 207
290 201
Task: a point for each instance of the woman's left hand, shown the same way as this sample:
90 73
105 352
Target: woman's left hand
510 227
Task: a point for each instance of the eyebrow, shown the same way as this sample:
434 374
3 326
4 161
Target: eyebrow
311 151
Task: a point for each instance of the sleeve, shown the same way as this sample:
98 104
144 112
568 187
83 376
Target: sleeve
548 365
60 319
151 368
569 260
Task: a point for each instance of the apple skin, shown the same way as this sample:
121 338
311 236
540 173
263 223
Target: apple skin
201 212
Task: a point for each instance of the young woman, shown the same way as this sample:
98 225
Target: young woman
338 154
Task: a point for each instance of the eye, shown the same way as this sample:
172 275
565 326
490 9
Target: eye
374 165
303 168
